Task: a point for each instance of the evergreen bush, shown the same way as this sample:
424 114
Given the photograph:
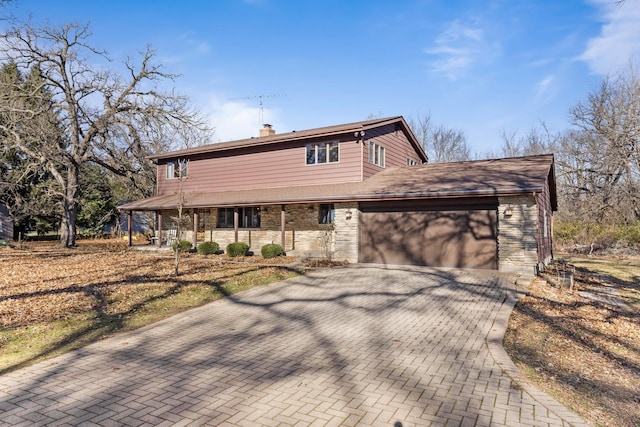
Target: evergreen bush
208 248
237 249
271 250
181 245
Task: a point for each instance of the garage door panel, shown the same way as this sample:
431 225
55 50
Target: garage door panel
436 238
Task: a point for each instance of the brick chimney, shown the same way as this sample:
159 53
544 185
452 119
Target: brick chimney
267 130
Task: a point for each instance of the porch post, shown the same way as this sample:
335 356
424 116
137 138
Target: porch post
159 233
283 222
235 223
194 239
130 225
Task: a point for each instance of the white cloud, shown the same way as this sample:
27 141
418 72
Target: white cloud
546 89
190 42
237 120
459 47
619 39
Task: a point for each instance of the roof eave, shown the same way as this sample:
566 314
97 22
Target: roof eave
339 198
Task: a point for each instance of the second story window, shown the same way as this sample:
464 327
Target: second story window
177 169
411 162
376 154
322 152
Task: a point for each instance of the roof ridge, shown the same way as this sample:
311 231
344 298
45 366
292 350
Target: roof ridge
253 141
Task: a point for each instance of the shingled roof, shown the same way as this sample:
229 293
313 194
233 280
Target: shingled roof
328 131
481 178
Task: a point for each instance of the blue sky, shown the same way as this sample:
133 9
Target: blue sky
484 67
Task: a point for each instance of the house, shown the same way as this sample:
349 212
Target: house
6 223
361 192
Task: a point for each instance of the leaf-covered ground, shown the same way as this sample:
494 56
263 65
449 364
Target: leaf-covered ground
52 299
583 347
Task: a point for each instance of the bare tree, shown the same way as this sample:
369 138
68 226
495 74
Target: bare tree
601 156
538 140
180 221
100 116
441 144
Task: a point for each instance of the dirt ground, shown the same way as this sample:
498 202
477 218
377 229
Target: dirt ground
583 346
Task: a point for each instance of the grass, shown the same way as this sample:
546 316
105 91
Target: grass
55 300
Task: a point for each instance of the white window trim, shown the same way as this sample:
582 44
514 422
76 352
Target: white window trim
327 146
377 154
171 169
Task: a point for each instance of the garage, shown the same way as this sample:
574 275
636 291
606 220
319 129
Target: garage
455 233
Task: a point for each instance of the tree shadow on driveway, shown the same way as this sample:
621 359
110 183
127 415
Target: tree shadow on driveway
357 345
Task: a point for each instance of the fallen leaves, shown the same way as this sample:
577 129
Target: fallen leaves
46 283
582 347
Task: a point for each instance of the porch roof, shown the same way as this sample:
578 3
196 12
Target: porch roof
482 178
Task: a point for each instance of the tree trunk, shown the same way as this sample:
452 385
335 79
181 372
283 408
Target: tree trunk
69 210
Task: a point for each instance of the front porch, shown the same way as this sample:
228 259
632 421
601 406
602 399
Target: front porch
298 228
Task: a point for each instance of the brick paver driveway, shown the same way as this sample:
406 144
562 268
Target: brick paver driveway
347 346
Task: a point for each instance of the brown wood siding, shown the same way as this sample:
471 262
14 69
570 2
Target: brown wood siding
263 167
428 234
397 148
545 244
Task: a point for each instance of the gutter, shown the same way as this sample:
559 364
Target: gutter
345 198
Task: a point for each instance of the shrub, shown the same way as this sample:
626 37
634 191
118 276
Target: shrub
271 251
630 234
181 245
208 248
237 249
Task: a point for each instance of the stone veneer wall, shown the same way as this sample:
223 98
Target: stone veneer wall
303 235
517 246
346 232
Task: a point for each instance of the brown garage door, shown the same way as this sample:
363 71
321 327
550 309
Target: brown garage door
429 235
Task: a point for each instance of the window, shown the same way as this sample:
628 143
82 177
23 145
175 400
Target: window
326 214
411 162
177 169
546 224
225 218
322 152
376 154
248 217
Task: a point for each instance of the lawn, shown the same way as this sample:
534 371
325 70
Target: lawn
54 300
583 347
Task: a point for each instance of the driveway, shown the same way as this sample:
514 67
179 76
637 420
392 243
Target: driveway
365 346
